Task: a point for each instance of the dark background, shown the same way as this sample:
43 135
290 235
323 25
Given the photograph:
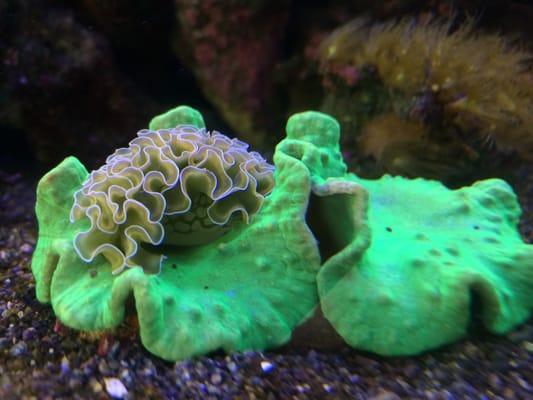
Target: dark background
81 77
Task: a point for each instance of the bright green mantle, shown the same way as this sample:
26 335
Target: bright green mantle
403 260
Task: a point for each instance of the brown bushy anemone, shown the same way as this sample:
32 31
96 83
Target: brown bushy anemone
462 88
180 186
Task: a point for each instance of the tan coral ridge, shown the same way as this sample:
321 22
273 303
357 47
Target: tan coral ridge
179 186
450 83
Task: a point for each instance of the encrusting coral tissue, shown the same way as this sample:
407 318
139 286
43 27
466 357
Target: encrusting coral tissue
219 252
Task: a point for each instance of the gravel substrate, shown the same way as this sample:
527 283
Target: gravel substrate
39 358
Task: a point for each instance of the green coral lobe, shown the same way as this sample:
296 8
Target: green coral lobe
246 290
419 253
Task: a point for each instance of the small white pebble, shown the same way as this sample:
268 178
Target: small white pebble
528 346
520 380
232 367
51 350
95 385
65 365
216 379
125 376
303 388
26 248
115 388
266 366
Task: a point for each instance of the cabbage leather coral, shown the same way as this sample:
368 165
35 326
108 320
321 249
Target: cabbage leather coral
409 257
178 186
246 289
462 90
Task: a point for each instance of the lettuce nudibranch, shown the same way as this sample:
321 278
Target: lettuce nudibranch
179 186
191 226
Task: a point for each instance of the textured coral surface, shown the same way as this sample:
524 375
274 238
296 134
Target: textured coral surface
428 100
410 257
179 186
437 259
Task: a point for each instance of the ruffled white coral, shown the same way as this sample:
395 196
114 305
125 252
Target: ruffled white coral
180 186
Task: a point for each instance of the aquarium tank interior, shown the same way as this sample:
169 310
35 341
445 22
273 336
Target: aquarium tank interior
211 199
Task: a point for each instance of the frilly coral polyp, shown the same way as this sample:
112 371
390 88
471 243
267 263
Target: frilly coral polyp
180 186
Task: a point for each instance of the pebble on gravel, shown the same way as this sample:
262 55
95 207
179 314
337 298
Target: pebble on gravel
266 366
18 349
115 388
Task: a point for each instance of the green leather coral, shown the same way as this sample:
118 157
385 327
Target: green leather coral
409 255
244 290
178 186
433 251
402 259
